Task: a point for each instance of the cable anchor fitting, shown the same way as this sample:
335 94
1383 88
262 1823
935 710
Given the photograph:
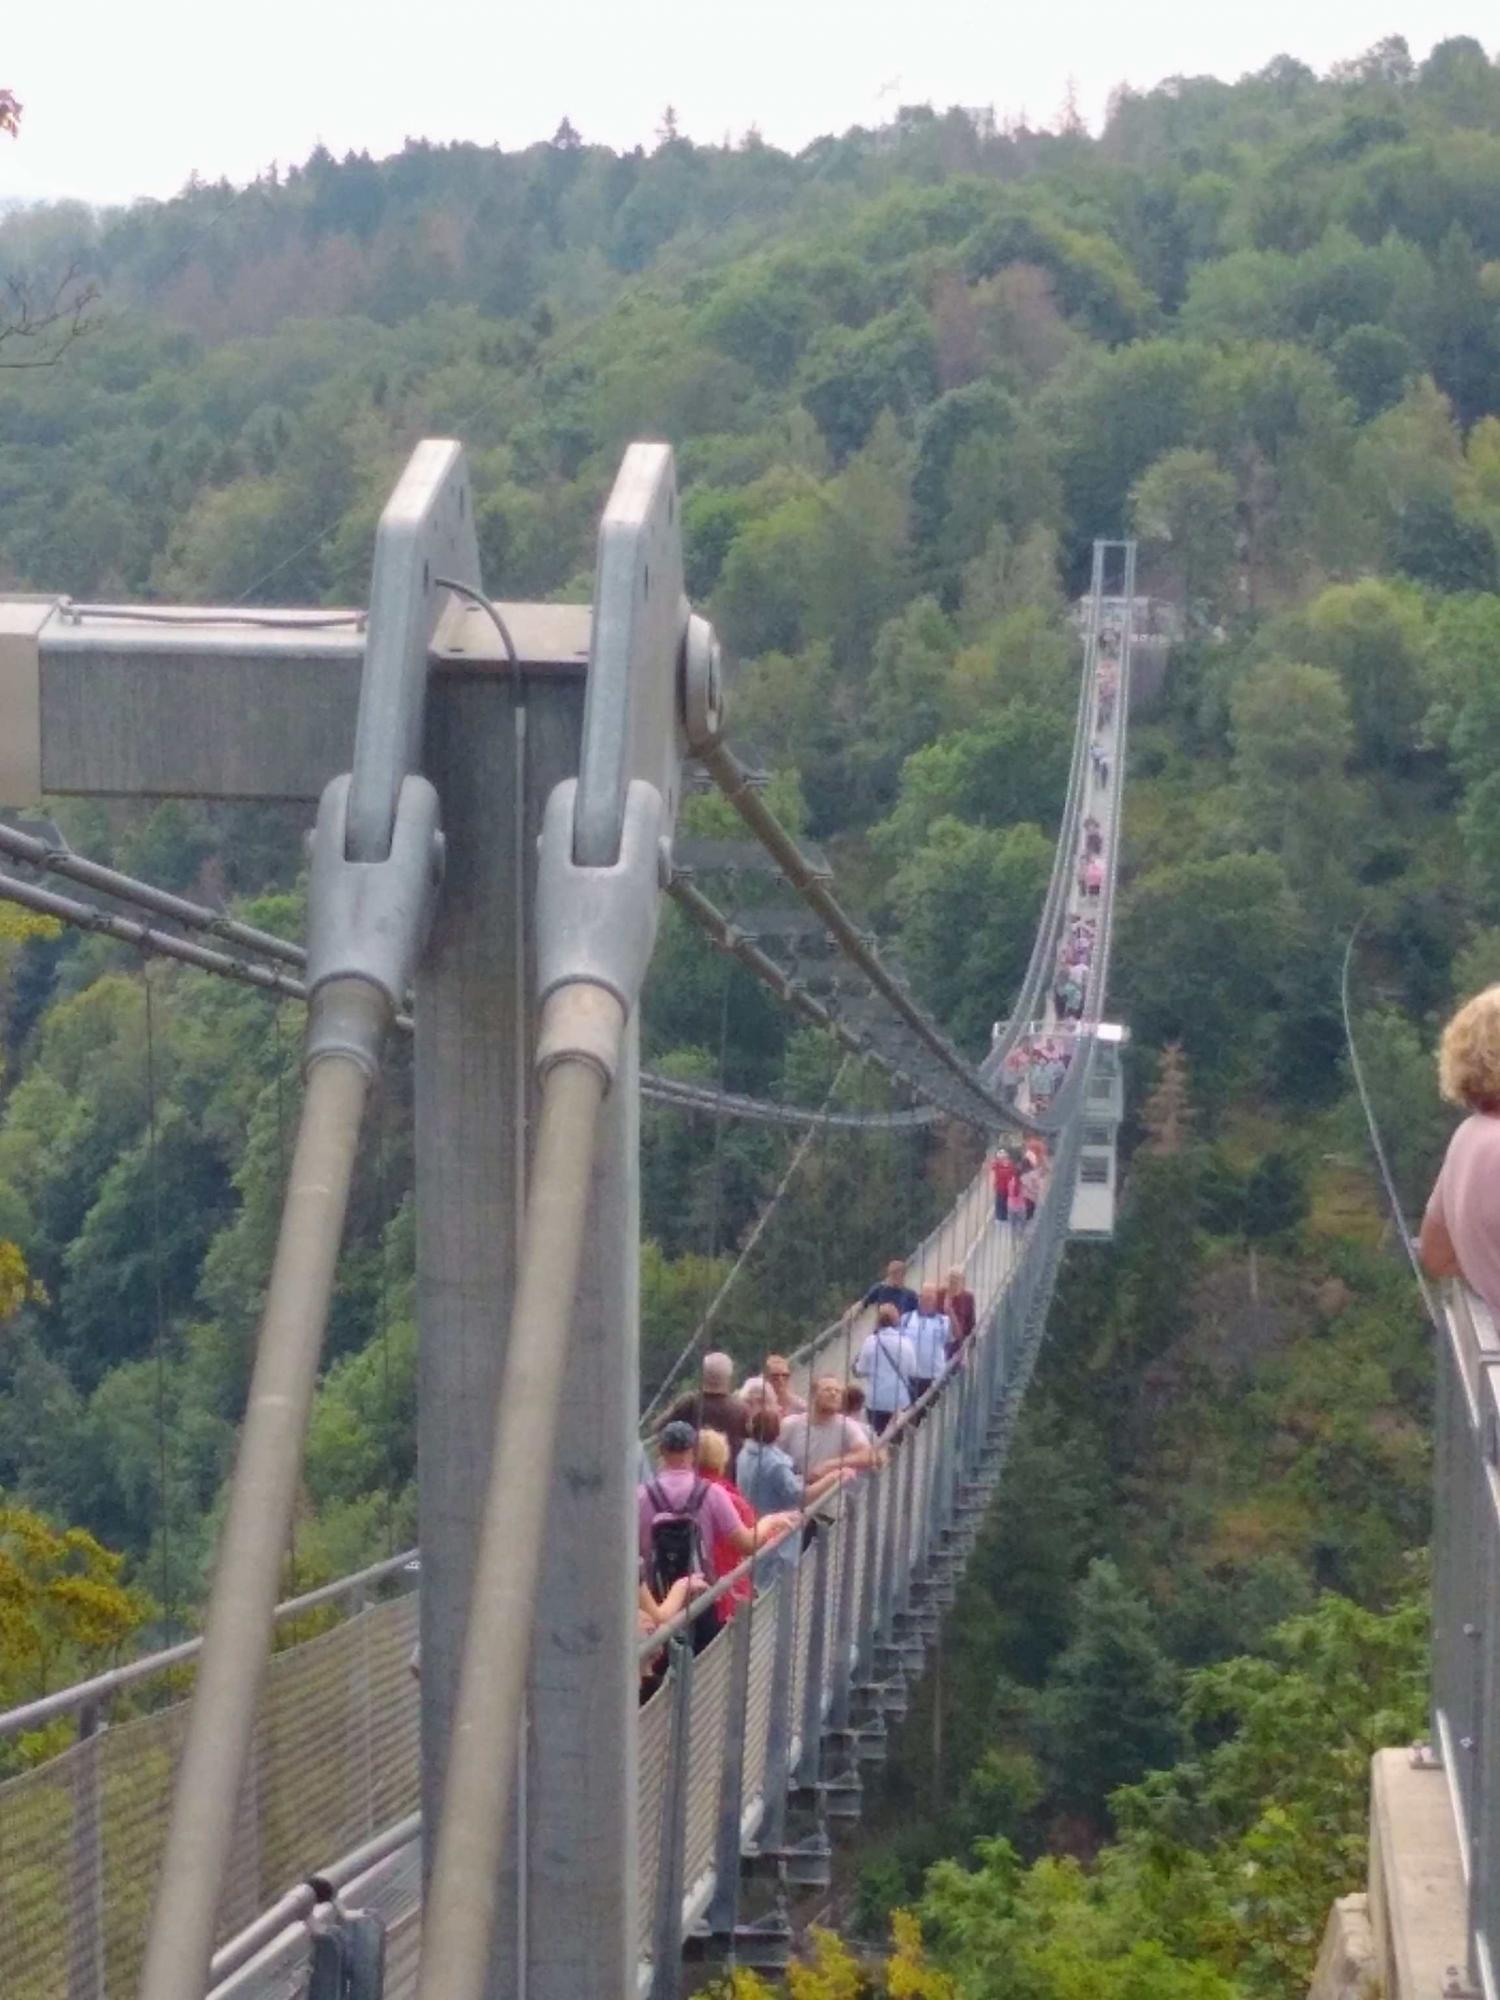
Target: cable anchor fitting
595 928
367 921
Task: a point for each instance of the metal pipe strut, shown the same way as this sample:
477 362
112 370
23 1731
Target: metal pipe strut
483 1754
242 1604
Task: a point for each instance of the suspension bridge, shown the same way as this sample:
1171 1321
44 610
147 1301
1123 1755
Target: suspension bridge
486 871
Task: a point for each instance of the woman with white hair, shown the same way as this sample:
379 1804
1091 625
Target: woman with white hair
1461 1229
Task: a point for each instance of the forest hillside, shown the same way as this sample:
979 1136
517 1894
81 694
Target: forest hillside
909 375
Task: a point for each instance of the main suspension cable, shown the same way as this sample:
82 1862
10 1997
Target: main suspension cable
57 858
791 992
735 782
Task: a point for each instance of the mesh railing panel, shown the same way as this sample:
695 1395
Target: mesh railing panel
81 1837
758 1705
802 1604
1466 1583
403 1949
841 1536
653 1748
708 1720
858 1556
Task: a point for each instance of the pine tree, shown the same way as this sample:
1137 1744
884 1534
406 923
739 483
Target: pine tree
1109 1711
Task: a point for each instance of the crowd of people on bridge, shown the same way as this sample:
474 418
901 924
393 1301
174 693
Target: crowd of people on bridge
1036 1066
739 1471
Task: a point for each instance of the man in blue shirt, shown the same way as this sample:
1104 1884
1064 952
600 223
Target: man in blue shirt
893 1290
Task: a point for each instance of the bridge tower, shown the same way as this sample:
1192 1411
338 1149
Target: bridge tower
498 711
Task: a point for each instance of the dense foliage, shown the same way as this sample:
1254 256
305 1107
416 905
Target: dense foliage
909 374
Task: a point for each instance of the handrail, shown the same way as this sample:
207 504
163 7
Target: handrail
1466 1560
101 1688
288 1911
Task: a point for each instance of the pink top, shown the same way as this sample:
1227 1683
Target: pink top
1466 1200
717 1517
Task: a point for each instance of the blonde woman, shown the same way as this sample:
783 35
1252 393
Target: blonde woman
1461 1229
724 1555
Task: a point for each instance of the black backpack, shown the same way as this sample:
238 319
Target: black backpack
676 1539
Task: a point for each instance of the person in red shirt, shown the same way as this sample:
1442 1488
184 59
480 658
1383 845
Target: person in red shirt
713 1464
1002 1180
957 1301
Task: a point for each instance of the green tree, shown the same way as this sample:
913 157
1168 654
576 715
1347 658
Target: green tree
906 696
1013 768
1374 365
1276 1792
63 1609
1401 1076
1116 415
1183 505
968 901
1275 1199
1292 740
1200 945
1374 636
850 376
1465 340
1108 1713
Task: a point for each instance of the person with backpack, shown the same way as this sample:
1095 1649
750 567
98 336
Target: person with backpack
887 1361
682 1517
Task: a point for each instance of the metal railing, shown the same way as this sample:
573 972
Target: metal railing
81 1835
1465 1593
799 1688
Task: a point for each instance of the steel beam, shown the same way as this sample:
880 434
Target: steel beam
135 707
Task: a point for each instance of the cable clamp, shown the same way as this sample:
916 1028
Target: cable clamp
595 926
368 920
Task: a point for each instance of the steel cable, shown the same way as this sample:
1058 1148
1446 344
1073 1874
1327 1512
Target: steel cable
711 1312
1377 1144
37 852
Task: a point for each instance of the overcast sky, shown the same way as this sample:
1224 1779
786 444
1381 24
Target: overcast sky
127 99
